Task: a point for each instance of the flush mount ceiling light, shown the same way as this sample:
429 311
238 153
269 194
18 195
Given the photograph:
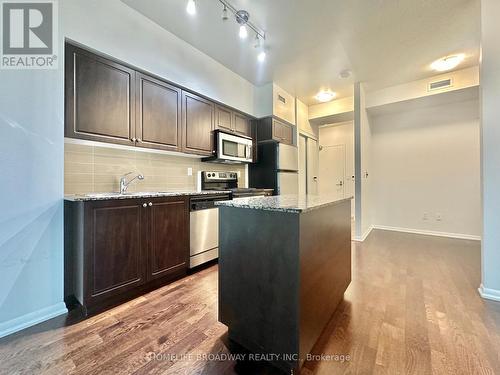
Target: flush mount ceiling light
325 96
448 62
191 7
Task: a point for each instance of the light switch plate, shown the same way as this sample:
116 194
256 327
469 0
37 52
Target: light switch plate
239 174
190 171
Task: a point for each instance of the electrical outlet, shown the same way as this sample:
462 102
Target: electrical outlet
425 216
439 217
190 171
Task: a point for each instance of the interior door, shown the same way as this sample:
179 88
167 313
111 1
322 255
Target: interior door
312 166
332 171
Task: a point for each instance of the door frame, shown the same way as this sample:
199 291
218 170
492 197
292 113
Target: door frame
307 136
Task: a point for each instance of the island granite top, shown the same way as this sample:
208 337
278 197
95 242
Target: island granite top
284 203
131 195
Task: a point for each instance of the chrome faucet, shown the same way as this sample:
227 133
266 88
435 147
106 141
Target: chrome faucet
124 183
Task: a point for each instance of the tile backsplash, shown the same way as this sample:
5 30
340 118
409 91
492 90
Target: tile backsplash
96 169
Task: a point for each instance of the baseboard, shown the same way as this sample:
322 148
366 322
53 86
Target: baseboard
491 294
429 233
35 317
364 235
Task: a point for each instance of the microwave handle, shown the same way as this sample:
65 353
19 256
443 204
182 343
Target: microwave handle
248 152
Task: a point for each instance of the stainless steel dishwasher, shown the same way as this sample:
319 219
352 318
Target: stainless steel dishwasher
204 228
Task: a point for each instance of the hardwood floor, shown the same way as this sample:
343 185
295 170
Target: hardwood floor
412 308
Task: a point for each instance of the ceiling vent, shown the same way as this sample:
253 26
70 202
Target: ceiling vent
439 85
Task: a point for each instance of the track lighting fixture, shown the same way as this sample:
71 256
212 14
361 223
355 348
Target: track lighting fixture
224 13
257 41
242 17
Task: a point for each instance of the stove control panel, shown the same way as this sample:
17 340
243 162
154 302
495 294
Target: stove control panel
219 176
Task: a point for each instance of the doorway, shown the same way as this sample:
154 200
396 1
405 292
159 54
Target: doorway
308 165
336 160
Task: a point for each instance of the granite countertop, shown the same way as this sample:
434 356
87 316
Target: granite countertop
284 203
144 194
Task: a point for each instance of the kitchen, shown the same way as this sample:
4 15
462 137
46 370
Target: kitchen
163 128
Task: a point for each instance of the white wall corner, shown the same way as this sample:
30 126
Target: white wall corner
490 294
32 318
364 236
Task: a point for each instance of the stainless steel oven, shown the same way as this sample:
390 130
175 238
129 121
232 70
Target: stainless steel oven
231 148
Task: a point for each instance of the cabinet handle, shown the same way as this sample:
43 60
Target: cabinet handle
144 205
133 140
139 140
150 204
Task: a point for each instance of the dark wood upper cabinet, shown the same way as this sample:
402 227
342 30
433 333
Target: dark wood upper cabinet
270 128
108 101
282 132
99 98
223 118
242 125
197 124
115 252
168 237
158 114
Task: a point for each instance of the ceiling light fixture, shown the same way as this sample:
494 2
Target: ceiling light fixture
224 13
261 57
346 73
257 41
243 33
448 62
325 96
242 17
191 7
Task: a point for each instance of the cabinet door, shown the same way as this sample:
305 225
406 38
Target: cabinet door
242 125
282 132
223 118
197 124
99 98
115 251
158 114
168 238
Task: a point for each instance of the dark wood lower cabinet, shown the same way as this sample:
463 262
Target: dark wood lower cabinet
167 237
118 249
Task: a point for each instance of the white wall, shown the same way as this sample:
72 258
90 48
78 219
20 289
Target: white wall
490 142
31 154
461 79
426 161
366 177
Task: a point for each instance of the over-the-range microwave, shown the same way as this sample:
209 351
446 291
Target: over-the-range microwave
231 148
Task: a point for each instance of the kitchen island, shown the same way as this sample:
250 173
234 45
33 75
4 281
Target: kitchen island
284 265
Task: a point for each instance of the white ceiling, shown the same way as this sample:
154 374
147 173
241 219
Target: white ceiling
384 42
